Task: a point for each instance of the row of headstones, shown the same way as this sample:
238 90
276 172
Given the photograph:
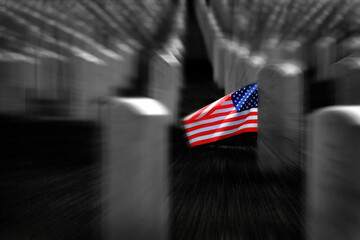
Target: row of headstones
72 84
270 23
280 92
323 144
333 158
116 16
57 71
136 148
233 64
317 55
135 131
234 68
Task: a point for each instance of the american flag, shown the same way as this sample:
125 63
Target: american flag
230 115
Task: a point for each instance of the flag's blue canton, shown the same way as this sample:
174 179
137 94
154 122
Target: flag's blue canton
245 98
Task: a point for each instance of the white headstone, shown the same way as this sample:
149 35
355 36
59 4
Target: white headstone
349 46
165 81
347 86
238 55
333 176
291 51
90 82
134 169
46 81
247 70
229 61
220 55
203 15
211 22
280 117
84 89
325 56
16 72
128 68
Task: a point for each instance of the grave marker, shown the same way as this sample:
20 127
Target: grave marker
129 67
349 46
135 138
325 56
333 179
238 55
16 72
165 81
84 91
280 117
346 75
220 53
247 70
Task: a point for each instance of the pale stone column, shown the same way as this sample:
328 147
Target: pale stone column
347 86
333 174
134 169
280 117
166 81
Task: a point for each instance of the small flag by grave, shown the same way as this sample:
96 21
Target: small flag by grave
232 114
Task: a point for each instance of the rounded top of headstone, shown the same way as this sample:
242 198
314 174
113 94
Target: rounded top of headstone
257 60
125 48
224 41
141 106
243 50
339 114
219 34
134 44
292 44
289 49
169 58
352 42
269 45
211 17
325 41
111 54
232 45
346 66
283 69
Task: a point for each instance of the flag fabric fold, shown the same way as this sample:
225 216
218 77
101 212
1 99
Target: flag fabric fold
232 114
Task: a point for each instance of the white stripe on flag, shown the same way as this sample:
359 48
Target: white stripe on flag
227 103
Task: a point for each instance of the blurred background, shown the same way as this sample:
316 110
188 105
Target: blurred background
92 97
